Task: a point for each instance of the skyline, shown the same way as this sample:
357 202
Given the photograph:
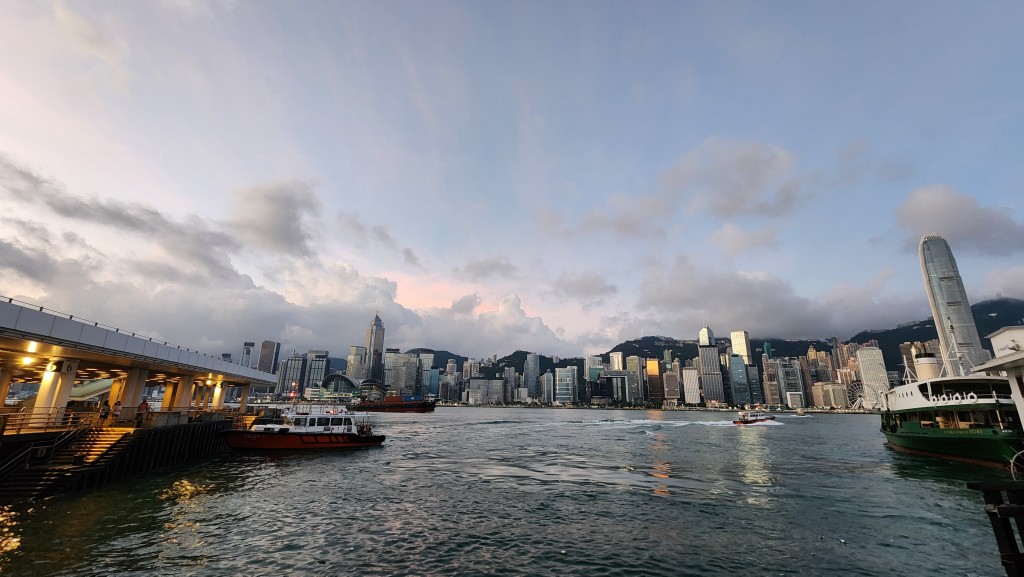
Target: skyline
500 177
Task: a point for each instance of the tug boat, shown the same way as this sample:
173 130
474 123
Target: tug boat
751 417
307 427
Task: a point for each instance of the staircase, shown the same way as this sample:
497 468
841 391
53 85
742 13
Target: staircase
95 448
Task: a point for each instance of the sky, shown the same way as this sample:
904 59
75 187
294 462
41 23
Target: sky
556 177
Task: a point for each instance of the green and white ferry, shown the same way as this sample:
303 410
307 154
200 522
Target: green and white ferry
973 418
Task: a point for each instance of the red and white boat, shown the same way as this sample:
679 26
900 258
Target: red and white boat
307 427
751 417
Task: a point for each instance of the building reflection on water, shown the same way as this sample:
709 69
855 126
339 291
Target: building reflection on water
753 459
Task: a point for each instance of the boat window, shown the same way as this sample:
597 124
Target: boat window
336 421
348 422
300 421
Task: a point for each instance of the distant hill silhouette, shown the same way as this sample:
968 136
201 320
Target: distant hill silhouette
989 316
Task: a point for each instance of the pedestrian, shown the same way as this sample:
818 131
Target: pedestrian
104 411
142 411
116 411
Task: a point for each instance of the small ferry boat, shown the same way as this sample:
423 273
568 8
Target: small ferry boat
801 413
307 427
751 417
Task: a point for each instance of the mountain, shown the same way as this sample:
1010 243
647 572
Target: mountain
441 358
989 316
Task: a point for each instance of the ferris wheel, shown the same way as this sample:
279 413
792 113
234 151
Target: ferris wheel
855 394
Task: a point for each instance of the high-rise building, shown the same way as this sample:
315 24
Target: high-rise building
356 357
246 358
291 377
710 368
565 385
615 361
952 313
375 349
654 382
740 383
741 345
706 337
269 351
637 383
873 376
318 365
531 374
691 385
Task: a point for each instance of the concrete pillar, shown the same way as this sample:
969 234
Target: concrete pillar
5 382
134 387
117 392
54 390
219 392
183 393
207 393
243 397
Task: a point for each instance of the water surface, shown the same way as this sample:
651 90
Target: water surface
466 491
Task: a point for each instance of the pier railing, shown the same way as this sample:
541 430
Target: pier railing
1004 504
17 421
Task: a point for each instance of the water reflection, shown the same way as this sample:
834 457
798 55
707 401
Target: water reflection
661 470
10 539
753 457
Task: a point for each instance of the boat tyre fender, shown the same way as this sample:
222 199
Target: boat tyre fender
943 398
956 397
972 397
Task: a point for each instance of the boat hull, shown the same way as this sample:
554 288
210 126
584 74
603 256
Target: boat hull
395 406
986 447
259 440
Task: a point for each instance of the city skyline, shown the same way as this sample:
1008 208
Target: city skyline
558 178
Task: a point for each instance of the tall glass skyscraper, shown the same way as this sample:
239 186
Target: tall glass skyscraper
375 349
950 309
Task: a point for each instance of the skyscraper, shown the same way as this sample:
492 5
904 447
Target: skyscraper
741 345
246 358
375 349
531 374
269 351
952 313
873 376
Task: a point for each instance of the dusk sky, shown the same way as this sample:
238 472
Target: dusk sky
551 176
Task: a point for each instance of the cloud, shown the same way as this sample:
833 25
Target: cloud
731 178
358 234
734 240
942 210
587 288
1007 282
629 216
93 42
277 217
677 299
481 270
466 305
196 241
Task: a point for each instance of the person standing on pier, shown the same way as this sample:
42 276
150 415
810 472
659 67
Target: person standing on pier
143 410
104 411
117 411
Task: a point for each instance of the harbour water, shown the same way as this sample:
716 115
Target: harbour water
487 491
